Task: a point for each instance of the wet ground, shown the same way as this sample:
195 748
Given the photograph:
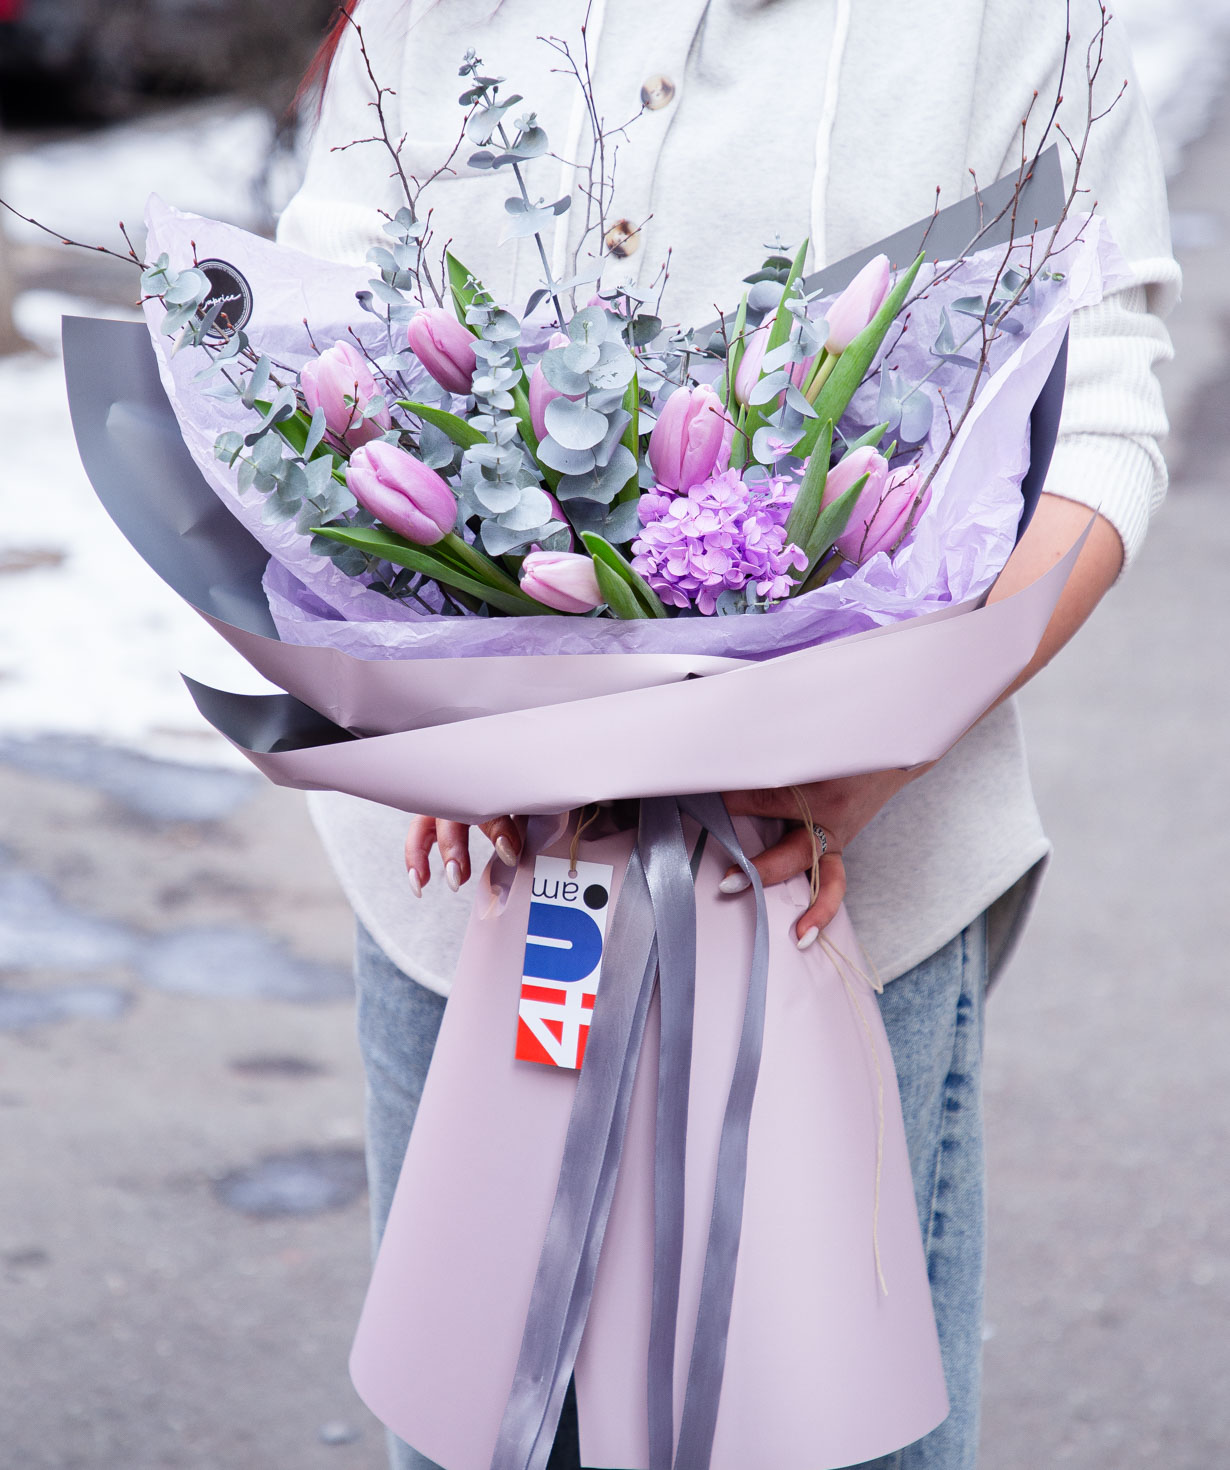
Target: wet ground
1109 1104
182 1223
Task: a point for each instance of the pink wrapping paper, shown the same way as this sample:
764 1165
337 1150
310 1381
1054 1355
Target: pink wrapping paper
823 1367
892 697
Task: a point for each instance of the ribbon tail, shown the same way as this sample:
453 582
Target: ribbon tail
563 1284
700 1406
665 855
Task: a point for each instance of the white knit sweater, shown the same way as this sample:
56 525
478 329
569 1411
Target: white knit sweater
830 118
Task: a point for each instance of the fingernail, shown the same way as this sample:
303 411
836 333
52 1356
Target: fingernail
808 938
506 852
415 886
452 874
734 883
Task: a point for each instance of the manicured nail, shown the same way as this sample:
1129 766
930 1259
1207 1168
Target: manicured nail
415 886
452 874
734 882
505 851
808 938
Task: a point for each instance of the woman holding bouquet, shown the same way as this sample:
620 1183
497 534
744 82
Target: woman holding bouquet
837 122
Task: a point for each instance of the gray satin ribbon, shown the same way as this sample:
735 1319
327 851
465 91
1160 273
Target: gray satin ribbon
652 942
563 1284
673 893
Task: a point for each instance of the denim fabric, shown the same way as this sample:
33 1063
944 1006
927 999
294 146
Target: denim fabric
933 1015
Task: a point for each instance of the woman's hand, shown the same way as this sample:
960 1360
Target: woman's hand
842 808
506 835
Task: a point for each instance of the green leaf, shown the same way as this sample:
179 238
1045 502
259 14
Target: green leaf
738 346
740 443
806 508
403 553
607 558
779 333
870 440
464 295
852 365
831 522
631 438
616 593
457 429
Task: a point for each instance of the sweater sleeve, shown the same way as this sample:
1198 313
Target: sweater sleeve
348 189
1108 454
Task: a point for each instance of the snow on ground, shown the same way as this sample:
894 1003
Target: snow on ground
92 639
208 158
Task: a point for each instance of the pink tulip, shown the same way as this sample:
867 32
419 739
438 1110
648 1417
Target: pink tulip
885 509
402 493
541 392
340 382
857 304
753 357
444 347
564 580
686 442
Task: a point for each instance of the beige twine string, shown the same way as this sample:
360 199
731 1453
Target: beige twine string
816 854
584 821
845 968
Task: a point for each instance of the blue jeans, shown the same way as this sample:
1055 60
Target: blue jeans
933 1015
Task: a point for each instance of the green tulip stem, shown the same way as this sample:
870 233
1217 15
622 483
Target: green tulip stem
819 374
465 557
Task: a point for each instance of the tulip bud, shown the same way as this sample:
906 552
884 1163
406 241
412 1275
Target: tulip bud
857 304
885 509
752 360
564 580
541 392
444 347
402 492
340 382
686 442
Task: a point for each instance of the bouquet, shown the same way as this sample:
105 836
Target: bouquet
520 562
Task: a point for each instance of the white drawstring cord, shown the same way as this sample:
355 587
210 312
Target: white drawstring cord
824 135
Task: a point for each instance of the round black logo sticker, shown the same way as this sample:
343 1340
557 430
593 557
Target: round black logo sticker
228 287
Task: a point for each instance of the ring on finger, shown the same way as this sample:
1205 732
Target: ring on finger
821 836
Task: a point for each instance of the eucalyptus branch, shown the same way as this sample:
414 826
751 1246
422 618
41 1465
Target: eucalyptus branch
548 276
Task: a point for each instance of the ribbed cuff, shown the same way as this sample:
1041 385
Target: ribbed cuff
1122 478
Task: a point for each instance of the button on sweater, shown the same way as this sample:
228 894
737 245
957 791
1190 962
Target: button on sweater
751 121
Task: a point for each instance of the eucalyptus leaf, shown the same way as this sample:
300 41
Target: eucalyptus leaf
560 376
315 433
565 461
525 220
573 424
623 523
533 509
771 443
486 120
602 483
228 446
917 414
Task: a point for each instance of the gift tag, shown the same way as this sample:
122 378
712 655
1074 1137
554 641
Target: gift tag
563 960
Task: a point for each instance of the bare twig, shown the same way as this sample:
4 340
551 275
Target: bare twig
132 258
